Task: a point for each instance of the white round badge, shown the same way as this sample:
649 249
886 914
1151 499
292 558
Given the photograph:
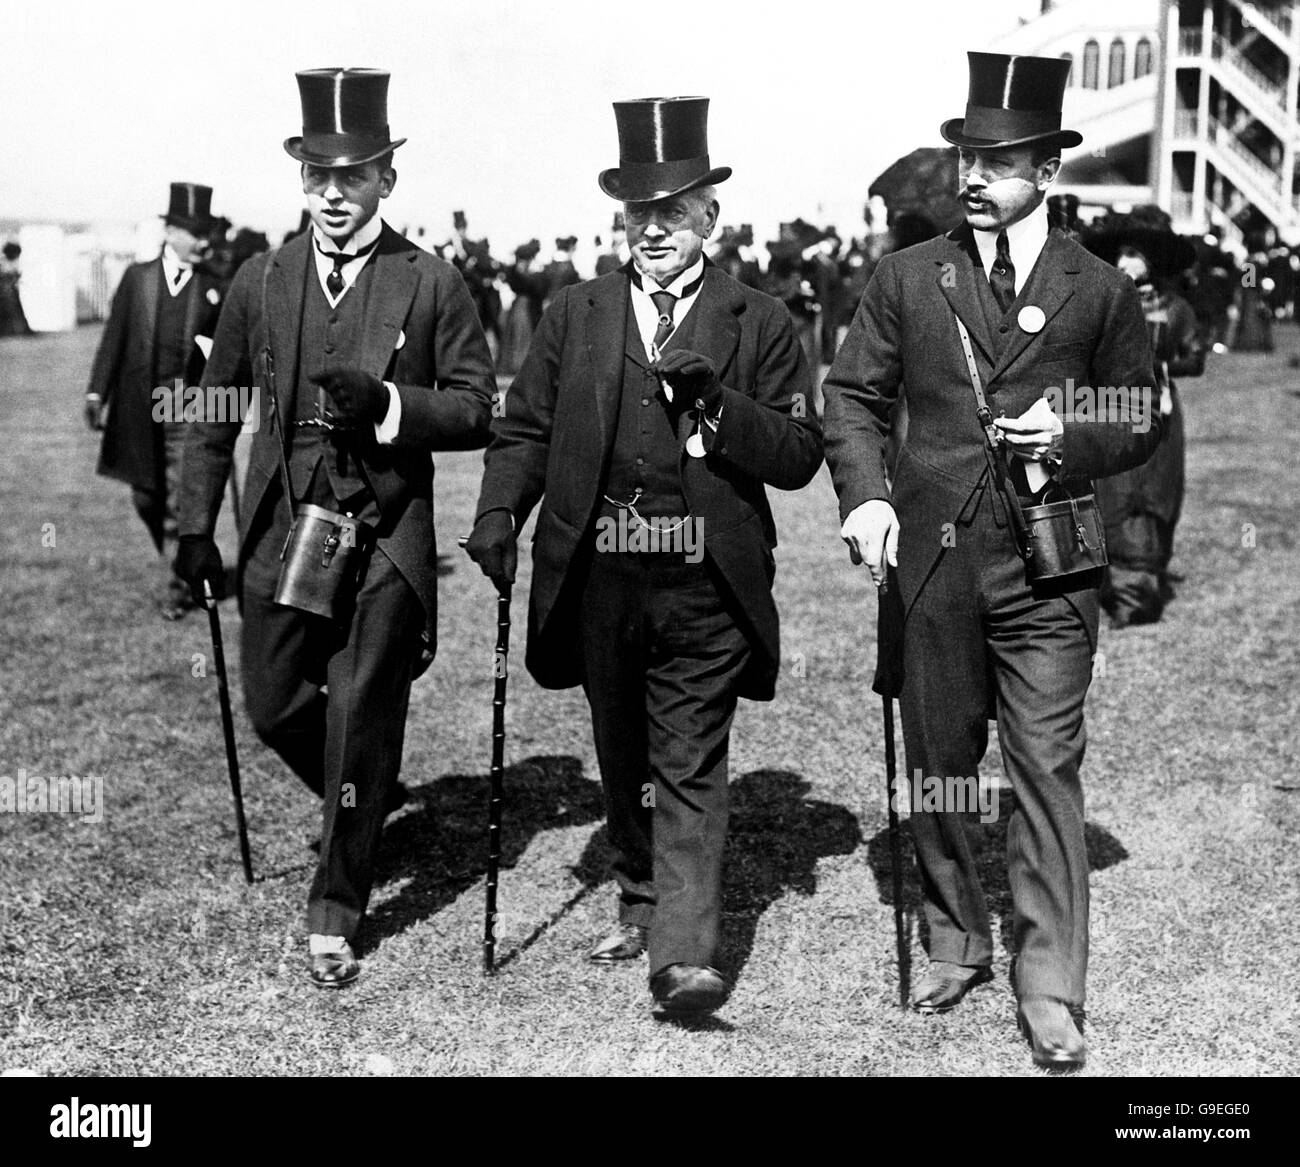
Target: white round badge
695 446
1031 318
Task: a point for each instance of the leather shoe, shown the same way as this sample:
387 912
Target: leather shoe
945 984
1053 1036
334 970
626 942
685 990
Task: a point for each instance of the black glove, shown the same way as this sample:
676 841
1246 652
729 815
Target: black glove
197 559
358 398
94 411
494 546
693 377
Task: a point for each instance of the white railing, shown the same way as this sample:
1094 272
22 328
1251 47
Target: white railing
1268 178
1266 89
1278 16
1189 42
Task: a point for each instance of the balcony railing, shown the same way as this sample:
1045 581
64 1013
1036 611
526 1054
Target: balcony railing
1260 170
1266 89
1189 42
1276 15
1185 123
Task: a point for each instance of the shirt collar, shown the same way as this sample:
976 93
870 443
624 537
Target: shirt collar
364 237
171 260
1031 231
675 285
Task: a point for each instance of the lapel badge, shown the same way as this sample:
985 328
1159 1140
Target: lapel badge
214 297
1031 318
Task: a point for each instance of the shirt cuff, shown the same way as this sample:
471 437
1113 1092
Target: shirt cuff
386 430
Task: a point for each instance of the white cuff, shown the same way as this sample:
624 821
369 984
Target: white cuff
386 430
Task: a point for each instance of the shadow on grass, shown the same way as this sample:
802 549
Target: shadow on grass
989 845
440 846
775 838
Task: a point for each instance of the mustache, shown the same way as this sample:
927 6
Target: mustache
973 196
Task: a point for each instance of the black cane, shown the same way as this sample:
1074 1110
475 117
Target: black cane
500 672
895 846
228 726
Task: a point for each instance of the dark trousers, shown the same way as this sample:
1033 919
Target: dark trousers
347 745
662 658
978 638
158 510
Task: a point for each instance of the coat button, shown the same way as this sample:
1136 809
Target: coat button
329 348
645 401
1005 328
640 461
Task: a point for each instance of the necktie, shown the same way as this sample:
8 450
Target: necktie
664 303
180 275
1002 279
334 281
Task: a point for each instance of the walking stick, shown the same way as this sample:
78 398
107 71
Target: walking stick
500 672
895 846
228 726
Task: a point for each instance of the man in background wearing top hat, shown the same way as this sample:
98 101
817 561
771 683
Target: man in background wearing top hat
663 396
379 360
149 342
963 636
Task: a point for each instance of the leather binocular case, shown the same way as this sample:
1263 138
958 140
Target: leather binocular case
1063 538
322 561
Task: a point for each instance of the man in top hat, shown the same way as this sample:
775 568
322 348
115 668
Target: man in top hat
963 636
655 405
375 359
473 259
617 255
147 355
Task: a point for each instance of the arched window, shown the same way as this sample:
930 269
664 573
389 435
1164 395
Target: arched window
1069 77
1142 59
1117 62
1091 58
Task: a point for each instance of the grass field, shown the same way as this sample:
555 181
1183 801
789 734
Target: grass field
133 946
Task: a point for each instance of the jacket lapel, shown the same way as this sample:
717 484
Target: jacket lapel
150 289
956 278
1050 285
392 289
717 328
606 324
283 317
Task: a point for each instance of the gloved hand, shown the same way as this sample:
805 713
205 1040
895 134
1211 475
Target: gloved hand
197 559
694 381
357 397
94 411
494 546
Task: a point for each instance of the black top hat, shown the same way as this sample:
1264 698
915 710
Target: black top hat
344 117
190 206
663 149
1012 101
458 220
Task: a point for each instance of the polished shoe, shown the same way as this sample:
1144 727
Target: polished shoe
626 942
334 970
1054 1038
945 984
686 990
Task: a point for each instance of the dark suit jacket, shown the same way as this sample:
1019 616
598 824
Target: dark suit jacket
421 333
558 431
903 340
123 372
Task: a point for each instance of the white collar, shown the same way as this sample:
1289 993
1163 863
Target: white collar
1026 232
363 237
676 284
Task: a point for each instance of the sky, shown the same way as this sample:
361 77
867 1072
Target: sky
506 103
